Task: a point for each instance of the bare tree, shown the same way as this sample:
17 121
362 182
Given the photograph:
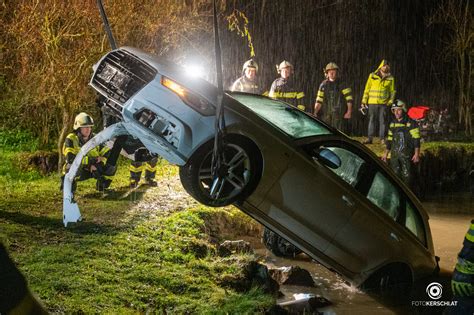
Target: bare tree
457 17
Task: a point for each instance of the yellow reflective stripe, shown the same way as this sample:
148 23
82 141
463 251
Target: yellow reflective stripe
390 133
150 168
415 133
135 169
108 177
266 93
396 125
85 160
470 234
104 150
349 98
320 96
70 150
465 266
389 137
346 91
301 107
297 95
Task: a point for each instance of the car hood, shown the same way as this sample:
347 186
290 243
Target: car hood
177 73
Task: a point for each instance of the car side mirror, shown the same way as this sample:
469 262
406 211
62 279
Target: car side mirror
328 158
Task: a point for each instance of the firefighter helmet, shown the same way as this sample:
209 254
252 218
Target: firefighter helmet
331 66
83 120
250 64
284 64
399 104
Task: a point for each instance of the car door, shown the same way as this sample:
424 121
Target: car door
310 199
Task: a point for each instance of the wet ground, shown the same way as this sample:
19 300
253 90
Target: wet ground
450 218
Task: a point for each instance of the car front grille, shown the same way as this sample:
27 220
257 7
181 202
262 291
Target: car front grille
120 75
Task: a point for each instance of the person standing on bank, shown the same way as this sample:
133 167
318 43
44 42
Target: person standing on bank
403 143
334 99
248 81
379 94
283 88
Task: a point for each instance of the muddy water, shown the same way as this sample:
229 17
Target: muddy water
450 217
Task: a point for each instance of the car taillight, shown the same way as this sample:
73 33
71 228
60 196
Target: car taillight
193 100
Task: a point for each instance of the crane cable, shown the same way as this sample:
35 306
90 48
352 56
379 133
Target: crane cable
217 164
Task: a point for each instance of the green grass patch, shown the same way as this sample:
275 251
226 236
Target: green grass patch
122 258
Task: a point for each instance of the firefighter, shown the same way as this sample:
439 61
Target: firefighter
403 142
462 282
136 169
93 165
379 94
248 81
334 99
284 89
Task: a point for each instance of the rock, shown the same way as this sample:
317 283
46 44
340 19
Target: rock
252 274
229 247
293 275
305 304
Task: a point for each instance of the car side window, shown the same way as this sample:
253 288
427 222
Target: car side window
385 195
414 223
350 165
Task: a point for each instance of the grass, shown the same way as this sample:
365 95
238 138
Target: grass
131 254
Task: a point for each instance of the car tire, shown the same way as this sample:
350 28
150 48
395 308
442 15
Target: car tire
278 245
244 163
393 283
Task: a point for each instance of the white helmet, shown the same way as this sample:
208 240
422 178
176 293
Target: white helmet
284 64
250 64
83 120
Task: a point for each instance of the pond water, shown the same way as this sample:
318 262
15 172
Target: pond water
450 218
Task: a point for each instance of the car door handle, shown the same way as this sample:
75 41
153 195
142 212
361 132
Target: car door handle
348 201
394 236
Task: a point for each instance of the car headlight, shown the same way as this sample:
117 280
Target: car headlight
191 99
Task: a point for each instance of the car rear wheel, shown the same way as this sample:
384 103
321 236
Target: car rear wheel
240 173
278 245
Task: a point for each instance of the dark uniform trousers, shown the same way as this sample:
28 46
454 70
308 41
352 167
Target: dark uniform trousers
136 169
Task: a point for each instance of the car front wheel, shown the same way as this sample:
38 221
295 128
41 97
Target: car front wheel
239 174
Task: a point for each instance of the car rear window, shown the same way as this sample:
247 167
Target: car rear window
285 117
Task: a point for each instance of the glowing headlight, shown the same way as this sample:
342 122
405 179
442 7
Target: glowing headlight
195 101
173 86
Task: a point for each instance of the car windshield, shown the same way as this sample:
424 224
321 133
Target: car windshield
289 119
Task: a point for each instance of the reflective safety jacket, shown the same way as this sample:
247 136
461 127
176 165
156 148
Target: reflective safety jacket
243 84
71 147
403 136
333 95
284 90
462 282
379 90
